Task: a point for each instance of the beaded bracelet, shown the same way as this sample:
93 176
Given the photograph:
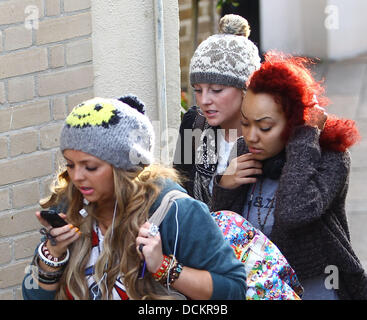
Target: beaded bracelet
42 279
174 272
43 276
51 263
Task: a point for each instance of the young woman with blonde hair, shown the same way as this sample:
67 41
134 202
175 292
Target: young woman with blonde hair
108 249
209 131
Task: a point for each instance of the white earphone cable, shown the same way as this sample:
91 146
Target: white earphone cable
175 247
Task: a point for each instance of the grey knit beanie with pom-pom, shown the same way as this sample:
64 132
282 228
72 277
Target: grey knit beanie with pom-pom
227 58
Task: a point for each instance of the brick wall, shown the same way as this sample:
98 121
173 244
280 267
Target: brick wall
45 69
207 25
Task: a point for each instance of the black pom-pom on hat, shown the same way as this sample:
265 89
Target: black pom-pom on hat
133 102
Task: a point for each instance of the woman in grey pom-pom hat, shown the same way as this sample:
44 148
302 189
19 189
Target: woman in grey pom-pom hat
219 69
113 246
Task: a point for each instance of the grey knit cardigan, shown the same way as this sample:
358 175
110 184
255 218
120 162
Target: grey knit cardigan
310 224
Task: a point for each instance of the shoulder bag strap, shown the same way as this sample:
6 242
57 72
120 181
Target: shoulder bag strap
158 215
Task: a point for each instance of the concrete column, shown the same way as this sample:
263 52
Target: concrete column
126 58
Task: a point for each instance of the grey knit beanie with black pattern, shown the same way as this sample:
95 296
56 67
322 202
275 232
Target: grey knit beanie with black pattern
228 58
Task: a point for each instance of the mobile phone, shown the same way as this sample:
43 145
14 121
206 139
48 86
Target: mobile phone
53 218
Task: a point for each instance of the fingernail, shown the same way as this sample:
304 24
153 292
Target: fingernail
76 229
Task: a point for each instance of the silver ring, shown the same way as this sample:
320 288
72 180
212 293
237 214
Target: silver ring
153 230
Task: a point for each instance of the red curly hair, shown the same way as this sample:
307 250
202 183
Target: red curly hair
292 85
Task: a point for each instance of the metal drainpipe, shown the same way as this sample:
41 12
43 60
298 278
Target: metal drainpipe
161 80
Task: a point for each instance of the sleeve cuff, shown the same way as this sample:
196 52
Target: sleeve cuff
238 288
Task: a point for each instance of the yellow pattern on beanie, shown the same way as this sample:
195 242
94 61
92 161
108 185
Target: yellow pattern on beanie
94 112
112 130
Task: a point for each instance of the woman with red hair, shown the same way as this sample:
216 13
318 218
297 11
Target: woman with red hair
291 179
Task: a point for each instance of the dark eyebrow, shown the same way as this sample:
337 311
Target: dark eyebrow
257 120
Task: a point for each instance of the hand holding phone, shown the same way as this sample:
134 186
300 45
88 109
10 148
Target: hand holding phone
53 218
62 234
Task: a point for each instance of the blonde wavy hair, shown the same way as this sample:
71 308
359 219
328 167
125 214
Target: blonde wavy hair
135 193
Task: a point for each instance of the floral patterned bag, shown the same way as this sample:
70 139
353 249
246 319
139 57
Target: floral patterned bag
269 275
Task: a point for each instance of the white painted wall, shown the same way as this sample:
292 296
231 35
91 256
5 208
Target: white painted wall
331 29
280 25
124 54
350 38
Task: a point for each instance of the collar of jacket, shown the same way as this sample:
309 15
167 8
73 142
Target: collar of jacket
272 167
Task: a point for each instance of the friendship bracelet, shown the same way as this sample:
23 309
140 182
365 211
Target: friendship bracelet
169 271
172 263
49 262
173 273
162 271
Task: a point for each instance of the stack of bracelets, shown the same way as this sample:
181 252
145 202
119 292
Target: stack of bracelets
44 255
169 271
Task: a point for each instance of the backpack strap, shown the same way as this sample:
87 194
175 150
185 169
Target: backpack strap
159 214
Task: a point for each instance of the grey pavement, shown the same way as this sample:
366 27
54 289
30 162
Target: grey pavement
346 86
